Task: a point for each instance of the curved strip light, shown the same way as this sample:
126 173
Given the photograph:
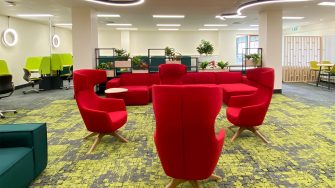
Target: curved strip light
55 41
117 2
259 2
5 35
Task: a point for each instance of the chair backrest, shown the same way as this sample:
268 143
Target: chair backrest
172 73
45 68
6 85
67 59
313 65
264 77
33 63
56 62
184 136
3 67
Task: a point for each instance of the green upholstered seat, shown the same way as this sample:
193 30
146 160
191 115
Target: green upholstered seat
24 148
3 67
33 63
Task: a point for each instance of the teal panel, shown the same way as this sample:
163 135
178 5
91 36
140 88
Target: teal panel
155 62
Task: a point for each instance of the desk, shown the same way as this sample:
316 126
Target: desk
329 65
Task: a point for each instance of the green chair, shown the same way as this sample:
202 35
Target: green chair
313 66
67 68
56 64
6 86
330 73
45 67
33 64
31 81
23 153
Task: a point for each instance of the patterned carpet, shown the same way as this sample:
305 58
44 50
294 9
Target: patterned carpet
301 152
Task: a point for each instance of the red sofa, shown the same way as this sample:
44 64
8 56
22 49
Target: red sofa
139 85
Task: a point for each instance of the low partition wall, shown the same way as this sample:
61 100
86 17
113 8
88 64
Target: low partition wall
299 74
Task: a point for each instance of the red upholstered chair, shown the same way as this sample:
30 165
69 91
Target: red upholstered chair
102 116
171 74
248 111
185 138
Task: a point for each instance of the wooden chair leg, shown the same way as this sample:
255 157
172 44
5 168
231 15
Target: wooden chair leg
96 142
258 134
214 177
118 136
195 184
90 135
174 183
237 134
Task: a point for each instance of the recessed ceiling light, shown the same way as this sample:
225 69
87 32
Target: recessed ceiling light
63 24
117 2
235 16
293 18
168 25
215 25
168 29
208 29
327 3
127 29
168 16
35 15
118 24
255 25
108 15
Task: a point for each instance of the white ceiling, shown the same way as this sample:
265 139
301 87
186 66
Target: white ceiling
197 12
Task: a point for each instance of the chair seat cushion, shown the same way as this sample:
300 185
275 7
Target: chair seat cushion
118 118
17 163
229 90
136 95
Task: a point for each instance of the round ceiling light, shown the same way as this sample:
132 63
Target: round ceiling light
55 41
9 37
118 2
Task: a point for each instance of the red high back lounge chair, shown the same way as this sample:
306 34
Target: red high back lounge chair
171 73
102 116
248 111
185 138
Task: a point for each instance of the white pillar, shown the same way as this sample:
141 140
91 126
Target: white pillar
270 39
125 40
84 37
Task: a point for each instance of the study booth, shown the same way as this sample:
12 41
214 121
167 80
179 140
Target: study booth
48 72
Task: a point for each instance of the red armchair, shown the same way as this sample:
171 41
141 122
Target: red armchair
248 111
185 137
172 74
101 116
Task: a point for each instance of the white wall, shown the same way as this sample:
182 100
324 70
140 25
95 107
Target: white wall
33 41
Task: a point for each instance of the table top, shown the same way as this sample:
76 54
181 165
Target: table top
116 90
325 65
34 70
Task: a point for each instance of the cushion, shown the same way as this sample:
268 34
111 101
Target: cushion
118 118
229 90
204 78
232 114
228 77
154 79
16 167
138 79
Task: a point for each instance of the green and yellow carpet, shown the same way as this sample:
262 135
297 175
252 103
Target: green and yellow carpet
301 152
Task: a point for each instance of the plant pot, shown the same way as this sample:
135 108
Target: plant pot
172 62
140 71
110 73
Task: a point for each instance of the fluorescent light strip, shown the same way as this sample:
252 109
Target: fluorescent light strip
327 3
256 3
292 18
168 25
168 16
168 29
63 24
108 15
248 29
117 24
215 25
254 25
35 15
127 29
208 29
116 4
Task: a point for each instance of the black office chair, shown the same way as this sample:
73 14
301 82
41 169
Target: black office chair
67 74
6 90
31 80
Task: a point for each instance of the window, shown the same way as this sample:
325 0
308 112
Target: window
245 41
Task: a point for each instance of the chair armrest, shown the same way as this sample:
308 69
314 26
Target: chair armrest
242 100
115 82
111 104
27 135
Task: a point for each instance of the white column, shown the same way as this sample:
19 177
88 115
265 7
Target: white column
125 40
270 39
84 37
227 46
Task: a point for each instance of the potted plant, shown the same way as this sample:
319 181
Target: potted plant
108 67
173 56
253 59
222 65
121 55
203 65
205 47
